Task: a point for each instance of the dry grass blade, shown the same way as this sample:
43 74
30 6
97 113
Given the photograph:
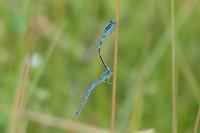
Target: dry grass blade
197 121
17 123
115 66
49 120
67 125
19 104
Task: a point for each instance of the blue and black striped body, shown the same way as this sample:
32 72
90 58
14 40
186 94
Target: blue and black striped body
108 29
106 75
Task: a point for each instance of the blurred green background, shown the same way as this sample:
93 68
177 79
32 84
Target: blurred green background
57 41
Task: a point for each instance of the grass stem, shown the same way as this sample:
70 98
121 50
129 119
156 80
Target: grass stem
115 66
174 97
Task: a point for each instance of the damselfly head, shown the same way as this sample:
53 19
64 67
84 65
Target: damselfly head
110 27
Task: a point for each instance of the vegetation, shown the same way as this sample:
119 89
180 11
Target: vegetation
49 58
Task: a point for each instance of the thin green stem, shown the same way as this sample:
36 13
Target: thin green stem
174 97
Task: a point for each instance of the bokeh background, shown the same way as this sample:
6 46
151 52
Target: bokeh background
49 58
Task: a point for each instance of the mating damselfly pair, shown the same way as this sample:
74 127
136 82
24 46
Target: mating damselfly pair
106 75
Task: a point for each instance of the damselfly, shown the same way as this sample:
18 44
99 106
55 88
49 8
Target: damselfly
108 29
105 76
